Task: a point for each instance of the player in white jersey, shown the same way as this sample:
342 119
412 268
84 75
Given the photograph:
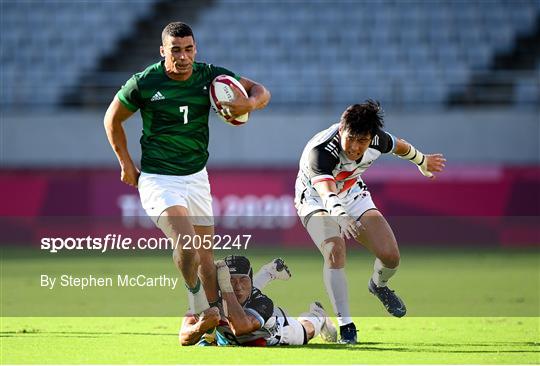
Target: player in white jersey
334 204
251 318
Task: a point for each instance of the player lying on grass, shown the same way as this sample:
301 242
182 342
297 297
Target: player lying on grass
250 317
333 201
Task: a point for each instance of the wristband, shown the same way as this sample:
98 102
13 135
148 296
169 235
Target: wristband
414 155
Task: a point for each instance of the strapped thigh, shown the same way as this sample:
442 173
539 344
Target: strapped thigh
322 227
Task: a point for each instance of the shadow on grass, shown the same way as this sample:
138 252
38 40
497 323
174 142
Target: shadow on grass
361 347
495 347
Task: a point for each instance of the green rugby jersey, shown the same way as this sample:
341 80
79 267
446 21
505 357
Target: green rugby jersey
175 117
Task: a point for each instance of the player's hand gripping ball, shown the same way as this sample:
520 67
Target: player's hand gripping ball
221 90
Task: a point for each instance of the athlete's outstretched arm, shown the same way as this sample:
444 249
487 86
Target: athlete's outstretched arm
193 327
114 117
427 164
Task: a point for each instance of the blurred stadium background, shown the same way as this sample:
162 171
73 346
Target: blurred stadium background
458 77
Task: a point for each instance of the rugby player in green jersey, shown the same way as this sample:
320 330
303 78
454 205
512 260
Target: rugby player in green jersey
172 96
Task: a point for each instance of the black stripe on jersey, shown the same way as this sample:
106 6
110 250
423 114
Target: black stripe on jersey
382 141
260 303
324 157
332 149
336 205
331 146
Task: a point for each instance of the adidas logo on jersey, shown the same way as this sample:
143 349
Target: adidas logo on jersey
375 141
157 96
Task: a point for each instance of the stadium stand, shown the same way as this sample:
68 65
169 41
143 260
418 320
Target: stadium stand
317 52
47 45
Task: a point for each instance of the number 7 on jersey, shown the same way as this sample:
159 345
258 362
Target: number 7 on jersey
184 110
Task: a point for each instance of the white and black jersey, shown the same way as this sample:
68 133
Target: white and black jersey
273 320
262 308
324 159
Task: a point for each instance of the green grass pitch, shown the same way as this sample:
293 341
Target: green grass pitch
465 307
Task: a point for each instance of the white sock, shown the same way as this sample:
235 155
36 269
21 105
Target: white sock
381 274
261 279
335 282
197 300
314 319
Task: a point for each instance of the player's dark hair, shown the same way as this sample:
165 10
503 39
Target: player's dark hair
176 29
364 118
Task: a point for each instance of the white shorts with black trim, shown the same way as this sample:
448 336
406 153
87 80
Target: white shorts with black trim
290 331
159 192
356 202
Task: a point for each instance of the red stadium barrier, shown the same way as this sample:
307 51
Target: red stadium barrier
471 205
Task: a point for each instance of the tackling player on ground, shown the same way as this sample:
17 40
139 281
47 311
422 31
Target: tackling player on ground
333 202
251 318
172 96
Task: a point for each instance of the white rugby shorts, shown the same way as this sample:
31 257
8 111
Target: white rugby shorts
159 192
356 202
290 330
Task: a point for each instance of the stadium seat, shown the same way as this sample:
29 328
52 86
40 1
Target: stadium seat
401 51
95 24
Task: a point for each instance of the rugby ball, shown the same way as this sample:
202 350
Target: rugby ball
221 91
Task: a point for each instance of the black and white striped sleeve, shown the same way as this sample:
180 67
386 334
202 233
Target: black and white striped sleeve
321 164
